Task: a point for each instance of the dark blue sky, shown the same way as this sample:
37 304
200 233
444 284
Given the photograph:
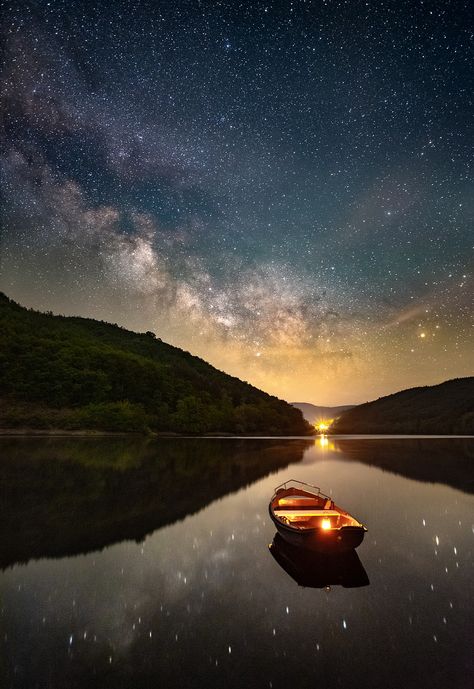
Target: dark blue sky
282 188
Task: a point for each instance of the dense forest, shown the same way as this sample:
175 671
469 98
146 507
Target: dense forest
72 373
447 408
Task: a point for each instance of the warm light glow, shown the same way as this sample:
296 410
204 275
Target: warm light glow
323 426
323 441
326 524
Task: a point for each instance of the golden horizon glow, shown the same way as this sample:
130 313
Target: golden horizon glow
294 370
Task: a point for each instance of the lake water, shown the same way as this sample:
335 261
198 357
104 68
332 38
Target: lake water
134 563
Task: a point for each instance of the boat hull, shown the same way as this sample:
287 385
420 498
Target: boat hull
337 540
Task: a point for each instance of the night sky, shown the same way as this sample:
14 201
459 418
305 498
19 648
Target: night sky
284 189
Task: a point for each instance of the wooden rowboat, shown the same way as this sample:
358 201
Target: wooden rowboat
305 517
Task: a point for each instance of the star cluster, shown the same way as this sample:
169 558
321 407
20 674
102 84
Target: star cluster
283 188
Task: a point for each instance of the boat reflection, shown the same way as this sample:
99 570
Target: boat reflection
313 569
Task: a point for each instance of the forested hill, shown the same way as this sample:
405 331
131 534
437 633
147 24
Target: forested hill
76 373
447 408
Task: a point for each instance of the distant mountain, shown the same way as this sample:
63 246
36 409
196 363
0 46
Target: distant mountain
60 372
313 413
447 408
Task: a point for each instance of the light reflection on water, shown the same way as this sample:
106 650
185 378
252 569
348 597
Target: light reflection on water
202 603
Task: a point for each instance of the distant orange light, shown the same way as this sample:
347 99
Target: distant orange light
323 426
326 524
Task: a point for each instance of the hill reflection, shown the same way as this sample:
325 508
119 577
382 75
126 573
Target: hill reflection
436 460
67 496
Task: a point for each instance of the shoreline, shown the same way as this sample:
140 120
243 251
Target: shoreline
58 433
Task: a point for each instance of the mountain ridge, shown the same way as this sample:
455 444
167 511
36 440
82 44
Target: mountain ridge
75 373
314 412
445 408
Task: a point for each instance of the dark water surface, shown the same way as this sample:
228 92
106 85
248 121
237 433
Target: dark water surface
133 563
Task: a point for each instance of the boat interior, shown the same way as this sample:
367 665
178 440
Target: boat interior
301 509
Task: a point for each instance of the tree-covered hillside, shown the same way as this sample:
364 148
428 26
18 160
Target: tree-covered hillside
76 373
447 408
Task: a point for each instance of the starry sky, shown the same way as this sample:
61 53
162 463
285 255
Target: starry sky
282 188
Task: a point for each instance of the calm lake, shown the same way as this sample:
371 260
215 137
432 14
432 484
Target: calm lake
146 563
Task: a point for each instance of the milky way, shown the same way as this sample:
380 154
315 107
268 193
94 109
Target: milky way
284 189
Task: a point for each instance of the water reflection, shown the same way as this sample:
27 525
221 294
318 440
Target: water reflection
319 570
62 496
199 602
65 496
440 460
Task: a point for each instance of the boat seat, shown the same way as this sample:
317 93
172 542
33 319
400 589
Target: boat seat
280 512
297 502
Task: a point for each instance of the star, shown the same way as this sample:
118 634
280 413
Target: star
273 195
